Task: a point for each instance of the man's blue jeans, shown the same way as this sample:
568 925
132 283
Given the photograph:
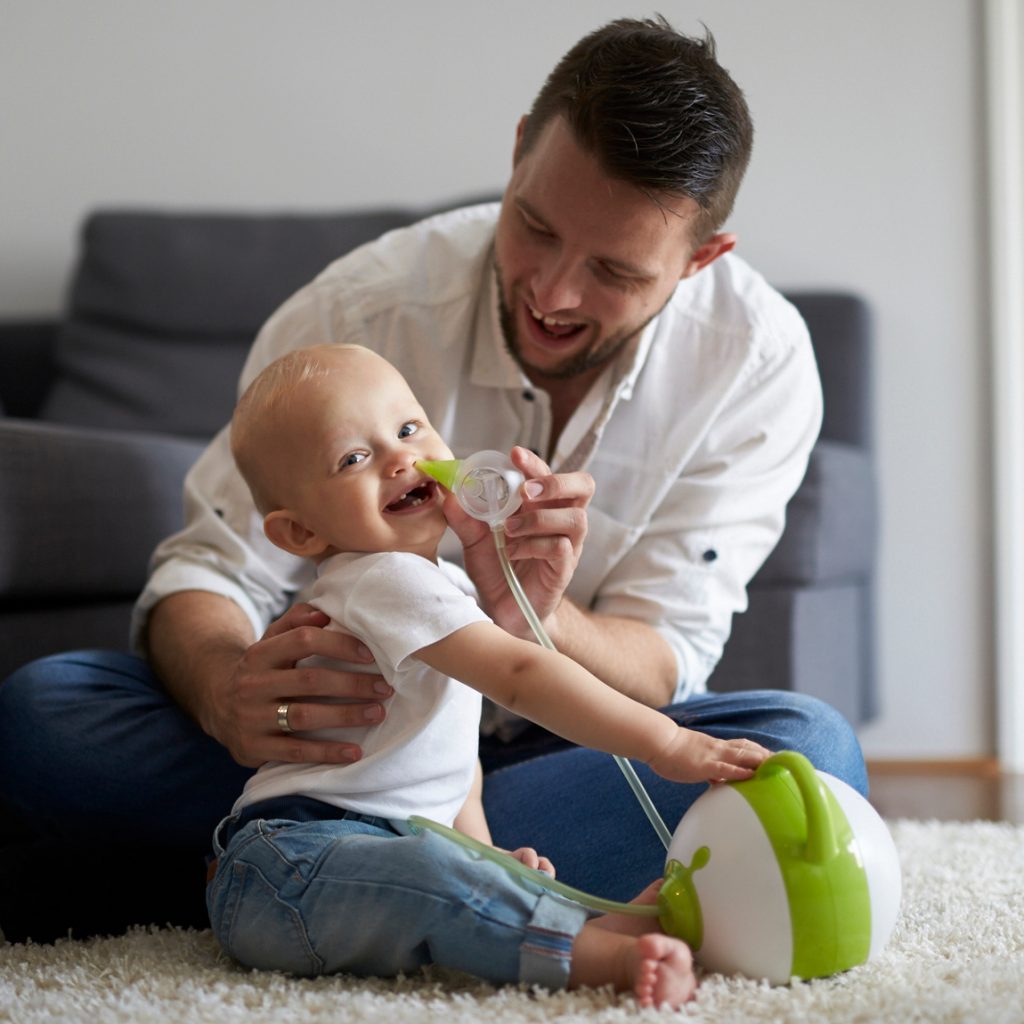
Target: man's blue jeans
95 756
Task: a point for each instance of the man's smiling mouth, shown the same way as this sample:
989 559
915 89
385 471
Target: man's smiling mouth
413 498
552 326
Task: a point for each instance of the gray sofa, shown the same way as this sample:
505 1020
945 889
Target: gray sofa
105 409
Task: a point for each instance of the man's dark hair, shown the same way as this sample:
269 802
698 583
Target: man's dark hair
657 110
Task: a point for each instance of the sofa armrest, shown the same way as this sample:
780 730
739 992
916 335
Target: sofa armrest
26 364
831 522
842 334
81 510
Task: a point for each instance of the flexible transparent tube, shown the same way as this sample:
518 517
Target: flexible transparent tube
545 641
515 867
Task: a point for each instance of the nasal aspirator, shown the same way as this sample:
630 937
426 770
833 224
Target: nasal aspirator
791 873
486 484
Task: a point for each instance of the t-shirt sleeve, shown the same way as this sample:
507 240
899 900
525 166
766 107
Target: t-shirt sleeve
402 602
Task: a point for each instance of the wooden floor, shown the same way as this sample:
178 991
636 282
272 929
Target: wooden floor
946 791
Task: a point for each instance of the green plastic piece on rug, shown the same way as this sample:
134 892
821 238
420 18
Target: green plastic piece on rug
680 914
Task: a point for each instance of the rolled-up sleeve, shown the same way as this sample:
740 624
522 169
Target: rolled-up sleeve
714 499
221 550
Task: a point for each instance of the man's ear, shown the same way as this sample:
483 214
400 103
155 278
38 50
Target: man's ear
715 246
284 530
520 127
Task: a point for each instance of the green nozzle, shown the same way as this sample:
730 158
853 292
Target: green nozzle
442 470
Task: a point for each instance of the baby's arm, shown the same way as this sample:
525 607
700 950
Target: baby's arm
472 821
557 693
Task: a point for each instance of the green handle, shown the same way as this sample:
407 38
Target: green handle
822 845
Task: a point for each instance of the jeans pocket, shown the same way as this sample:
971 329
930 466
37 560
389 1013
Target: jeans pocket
257 927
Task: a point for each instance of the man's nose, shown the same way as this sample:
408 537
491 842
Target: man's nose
558 286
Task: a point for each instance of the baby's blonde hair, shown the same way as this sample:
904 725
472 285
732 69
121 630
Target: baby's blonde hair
255 416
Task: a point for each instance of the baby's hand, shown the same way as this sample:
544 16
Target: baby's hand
528 855
696 757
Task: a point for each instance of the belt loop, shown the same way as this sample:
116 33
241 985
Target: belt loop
218 847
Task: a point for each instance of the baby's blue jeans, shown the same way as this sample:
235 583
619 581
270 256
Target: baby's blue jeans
360 895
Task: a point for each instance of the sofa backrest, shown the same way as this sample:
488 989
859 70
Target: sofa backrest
164 306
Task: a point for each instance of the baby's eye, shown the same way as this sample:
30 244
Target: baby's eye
351 459
408 429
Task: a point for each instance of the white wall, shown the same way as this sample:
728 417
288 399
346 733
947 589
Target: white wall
867 175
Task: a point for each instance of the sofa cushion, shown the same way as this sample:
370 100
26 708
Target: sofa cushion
831 522
164 306
83 509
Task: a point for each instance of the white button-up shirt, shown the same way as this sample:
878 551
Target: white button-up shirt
696 440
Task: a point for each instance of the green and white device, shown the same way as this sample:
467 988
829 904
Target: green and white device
791 873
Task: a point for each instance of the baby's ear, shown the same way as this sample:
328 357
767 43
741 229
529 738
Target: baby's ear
284 530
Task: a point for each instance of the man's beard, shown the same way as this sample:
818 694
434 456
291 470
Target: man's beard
582 362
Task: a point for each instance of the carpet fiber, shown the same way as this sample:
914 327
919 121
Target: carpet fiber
957 955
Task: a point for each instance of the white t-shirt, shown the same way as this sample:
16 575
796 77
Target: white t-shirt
696 440
421 758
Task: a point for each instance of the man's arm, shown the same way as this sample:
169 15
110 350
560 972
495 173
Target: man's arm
627 654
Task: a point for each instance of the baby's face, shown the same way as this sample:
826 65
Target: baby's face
356 436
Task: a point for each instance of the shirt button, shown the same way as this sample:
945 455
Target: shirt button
528 396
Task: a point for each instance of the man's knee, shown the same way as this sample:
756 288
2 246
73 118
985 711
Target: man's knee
828 739
36 694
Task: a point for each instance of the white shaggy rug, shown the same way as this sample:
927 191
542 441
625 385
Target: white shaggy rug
957 955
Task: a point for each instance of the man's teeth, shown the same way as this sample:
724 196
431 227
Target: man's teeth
549 321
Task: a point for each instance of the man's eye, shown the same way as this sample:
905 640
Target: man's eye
538 229
408 429
352 458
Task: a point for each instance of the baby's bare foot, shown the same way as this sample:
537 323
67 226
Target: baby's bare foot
662 970
633 924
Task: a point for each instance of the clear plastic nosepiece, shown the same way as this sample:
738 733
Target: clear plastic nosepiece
486 484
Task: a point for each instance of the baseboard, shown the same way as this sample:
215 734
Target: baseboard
973 767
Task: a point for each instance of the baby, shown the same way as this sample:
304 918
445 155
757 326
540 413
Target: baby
317 868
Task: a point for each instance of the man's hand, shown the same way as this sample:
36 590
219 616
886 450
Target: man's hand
266 677
544 541
200 646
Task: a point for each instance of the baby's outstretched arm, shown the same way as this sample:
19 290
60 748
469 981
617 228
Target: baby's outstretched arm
559 694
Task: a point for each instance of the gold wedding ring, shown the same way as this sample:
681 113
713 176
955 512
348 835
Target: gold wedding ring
282 718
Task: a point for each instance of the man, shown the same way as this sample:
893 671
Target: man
664 399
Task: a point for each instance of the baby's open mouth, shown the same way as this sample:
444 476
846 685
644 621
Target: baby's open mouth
413 498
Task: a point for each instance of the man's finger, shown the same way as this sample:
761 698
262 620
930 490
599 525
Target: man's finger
305 641
298 615
296 750
305 716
